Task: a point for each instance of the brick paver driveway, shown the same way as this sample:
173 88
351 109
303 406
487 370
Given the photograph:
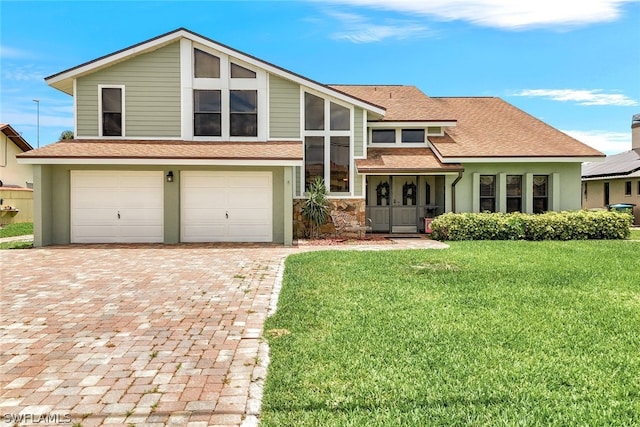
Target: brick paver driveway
139 334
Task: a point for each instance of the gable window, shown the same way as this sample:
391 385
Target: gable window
239 72
207 113
514 193
487 193
205 65
540 193
327 136
313 112
244 112
383 136
112 109
413 135
627 188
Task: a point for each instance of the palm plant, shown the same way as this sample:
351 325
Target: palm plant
316 208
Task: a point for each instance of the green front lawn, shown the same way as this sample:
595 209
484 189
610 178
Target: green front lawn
485 333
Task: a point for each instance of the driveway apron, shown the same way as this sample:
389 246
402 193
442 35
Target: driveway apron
137 334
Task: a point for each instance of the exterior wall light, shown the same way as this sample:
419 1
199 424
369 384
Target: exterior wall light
170 176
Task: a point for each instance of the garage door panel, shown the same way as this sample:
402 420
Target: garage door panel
248 232
96 217
97 197
207 198
204 180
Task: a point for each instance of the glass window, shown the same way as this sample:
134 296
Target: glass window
383 136
238 72
514 193
412 135
638 188
111 111
313 158
205 65
339 174
340 117
313 112
627 188
244 112
540 193
487 193
207 113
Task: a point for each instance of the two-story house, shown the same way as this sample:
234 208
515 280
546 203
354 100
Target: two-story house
183 139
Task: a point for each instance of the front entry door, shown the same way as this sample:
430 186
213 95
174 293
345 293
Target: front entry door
404 205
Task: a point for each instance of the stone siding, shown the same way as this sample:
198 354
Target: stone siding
356 207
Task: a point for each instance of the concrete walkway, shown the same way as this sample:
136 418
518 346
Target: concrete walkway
24 238
148 335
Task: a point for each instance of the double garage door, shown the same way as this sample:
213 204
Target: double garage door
128 206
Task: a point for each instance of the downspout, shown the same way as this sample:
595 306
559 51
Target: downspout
453 192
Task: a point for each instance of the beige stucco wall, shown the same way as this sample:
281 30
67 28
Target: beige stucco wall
16 206
52 223
11 172
593 194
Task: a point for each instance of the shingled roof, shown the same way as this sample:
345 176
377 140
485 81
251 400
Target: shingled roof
485 126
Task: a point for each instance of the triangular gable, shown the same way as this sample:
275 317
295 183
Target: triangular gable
63 80
15 137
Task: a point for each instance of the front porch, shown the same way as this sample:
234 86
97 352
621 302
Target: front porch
400 203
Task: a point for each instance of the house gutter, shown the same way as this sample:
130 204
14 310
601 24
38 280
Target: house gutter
453 191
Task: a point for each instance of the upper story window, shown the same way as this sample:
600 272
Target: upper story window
238 72
207 113
413 135
327 137
383 136
205 65
227 97
244 112
403 136
112 110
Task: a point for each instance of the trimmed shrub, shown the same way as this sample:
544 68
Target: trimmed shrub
572 225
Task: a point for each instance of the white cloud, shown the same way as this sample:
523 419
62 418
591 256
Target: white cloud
22 73
506 14
359 29
580 96
607 142
7 52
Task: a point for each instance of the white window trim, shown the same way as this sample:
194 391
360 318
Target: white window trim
225 84
398 140
327 133
123 124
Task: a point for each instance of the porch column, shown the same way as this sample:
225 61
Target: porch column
448 193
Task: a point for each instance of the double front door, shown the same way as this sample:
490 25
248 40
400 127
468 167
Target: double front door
393 204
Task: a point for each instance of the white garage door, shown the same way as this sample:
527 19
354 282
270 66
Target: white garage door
226 206
117 207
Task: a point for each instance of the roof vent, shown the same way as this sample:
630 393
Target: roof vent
635 120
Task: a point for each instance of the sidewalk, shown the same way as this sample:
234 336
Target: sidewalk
24 238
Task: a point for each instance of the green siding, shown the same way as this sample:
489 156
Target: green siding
564 183
358 137
52 200
284 108
357 191
152 94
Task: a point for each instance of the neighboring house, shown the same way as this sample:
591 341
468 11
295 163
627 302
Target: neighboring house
13 174
617 179
16 180
183 139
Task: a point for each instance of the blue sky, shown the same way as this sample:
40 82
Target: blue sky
575 66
